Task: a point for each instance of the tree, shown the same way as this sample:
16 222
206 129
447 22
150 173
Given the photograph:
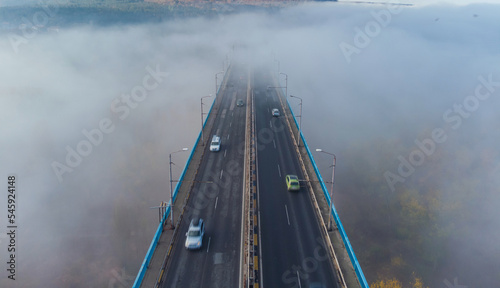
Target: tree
391 283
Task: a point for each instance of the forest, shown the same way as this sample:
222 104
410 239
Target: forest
408 238
103 13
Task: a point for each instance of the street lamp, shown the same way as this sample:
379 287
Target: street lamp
286 84
331 192
171 189
221 72
300 120
227 62
201 101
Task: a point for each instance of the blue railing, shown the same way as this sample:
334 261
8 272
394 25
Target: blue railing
154 242
350 251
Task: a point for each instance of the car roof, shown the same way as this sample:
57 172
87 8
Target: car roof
195 222
293 177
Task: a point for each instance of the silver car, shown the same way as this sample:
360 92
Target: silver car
276 112
194 236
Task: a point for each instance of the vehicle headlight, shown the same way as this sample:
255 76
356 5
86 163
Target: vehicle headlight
199 243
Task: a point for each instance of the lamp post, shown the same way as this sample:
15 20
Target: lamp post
286 84
300 120
331 192
227 62
221 72
171 188
201 101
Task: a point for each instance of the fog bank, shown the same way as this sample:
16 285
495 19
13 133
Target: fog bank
369 93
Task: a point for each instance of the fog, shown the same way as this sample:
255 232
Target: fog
85 221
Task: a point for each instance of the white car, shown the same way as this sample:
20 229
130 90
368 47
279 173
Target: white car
194 236
215 144
276 112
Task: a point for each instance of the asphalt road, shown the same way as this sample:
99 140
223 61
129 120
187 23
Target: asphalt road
293 253
217 263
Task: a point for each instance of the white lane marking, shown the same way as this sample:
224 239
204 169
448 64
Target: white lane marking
260 251
221 171
208 248
232 114
270 124
279 170
225 151
216 200
287 218
227 136
230 123
274 142
298 278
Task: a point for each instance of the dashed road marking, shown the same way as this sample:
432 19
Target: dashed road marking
208 247
287 218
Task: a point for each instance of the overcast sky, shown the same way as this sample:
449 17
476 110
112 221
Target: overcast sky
367 74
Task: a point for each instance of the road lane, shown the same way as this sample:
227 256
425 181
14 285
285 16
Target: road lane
217 263
293 255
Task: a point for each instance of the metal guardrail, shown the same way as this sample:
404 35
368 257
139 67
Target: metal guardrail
154 242
350 251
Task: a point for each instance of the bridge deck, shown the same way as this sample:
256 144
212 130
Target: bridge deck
166 239
164 246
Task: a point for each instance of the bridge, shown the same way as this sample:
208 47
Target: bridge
257 233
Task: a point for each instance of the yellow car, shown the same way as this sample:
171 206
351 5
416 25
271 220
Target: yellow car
292 183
